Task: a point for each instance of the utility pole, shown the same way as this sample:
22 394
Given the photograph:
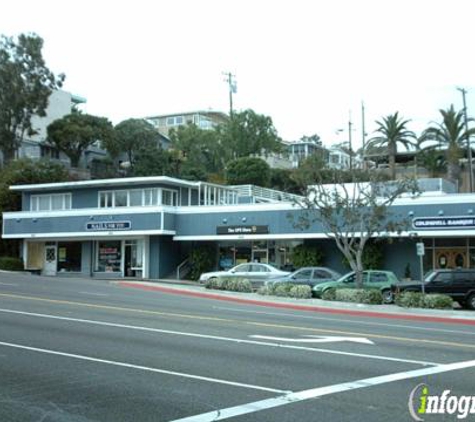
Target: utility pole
350 124
231 81
363 135
469 152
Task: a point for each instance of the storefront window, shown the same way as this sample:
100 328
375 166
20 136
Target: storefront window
69 256
108 256
226 257
135 198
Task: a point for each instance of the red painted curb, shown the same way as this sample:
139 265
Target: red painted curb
296 307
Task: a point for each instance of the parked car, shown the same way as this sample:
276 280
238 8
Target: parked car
309 276
375 279
459 284
256 273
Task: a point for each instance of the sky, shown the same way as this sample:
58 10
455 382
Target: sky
308 64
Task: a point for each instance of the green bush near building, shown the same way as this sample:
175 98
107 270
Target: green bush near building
419 300
367 296
297 291
232 284
307 256
9 263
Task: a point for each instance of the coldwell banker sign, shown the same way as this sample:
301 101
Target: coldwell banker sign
108 225
444 223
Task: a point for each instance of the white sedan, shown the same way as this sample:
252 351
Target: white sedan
256 273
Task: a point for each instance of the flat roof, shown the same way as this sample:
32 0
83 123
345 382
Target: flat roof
111 182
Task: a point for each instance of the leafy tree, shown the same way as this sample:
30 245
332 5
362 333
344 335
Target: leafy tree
283 180
248 133
248 170
451 136
433 160
310 169
155 161
131 136
352 214
312 138
200 152
392 131
307 256
25 86
21 172
74 133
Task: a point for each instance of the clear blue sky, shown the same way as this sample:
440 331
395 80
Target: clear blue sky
304 63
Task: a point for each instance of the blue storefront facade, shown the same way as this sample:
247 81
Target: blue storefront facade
146 228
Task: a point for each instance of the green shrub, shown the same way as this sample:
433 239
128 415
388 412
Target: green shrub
409 300
286 290
232 284
9 263
329 294
301 292
307 256
282 289
266 290
212 283
418 300
368 296
438 301
201 261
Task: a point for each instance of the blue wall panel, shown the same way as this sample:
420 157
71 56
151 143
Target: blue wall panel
77 224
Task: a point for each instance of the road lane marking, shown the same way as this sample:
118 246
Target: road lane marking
295 397
227 339
9 284
350 321
142 368
94 294
239 322
316 339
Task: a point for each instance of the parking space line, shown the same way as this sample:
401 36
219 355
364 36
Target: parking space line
220 338
303 395
142 368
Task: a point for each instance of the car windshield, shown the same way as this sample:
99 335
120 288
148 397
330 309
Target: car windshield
429 275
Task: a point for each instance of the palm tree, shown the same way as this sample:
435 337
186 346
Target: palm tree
392 131
450 135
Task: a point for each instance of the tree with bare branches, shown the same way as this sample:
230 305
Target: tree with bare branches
353 213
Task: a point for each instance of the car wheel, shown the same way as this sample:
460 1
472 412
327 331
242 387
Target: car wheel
471 301
387 296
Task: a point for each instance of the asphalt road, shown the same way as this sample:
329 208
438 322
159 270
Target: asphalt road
91 350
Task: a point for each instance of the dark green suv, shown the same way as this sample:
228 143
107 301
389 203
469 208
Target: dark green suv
459 284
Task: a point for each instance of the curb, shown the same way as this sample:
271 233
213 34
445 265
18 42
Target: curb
306 308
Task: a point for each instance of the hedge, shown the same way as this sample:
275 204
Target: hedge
418 300
232 284
368 296
297 291
9 263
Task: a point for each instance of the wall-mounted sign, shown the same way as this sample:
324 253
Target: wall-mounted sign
444 223
242 229
108 225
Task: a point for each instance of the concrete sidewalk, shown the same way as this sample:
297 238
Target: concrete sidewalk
455 316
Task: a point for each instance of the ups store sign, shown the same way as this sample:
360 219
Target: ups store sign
242 229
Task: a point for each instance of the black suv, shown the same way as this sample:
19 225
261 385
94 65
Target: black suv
459 284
